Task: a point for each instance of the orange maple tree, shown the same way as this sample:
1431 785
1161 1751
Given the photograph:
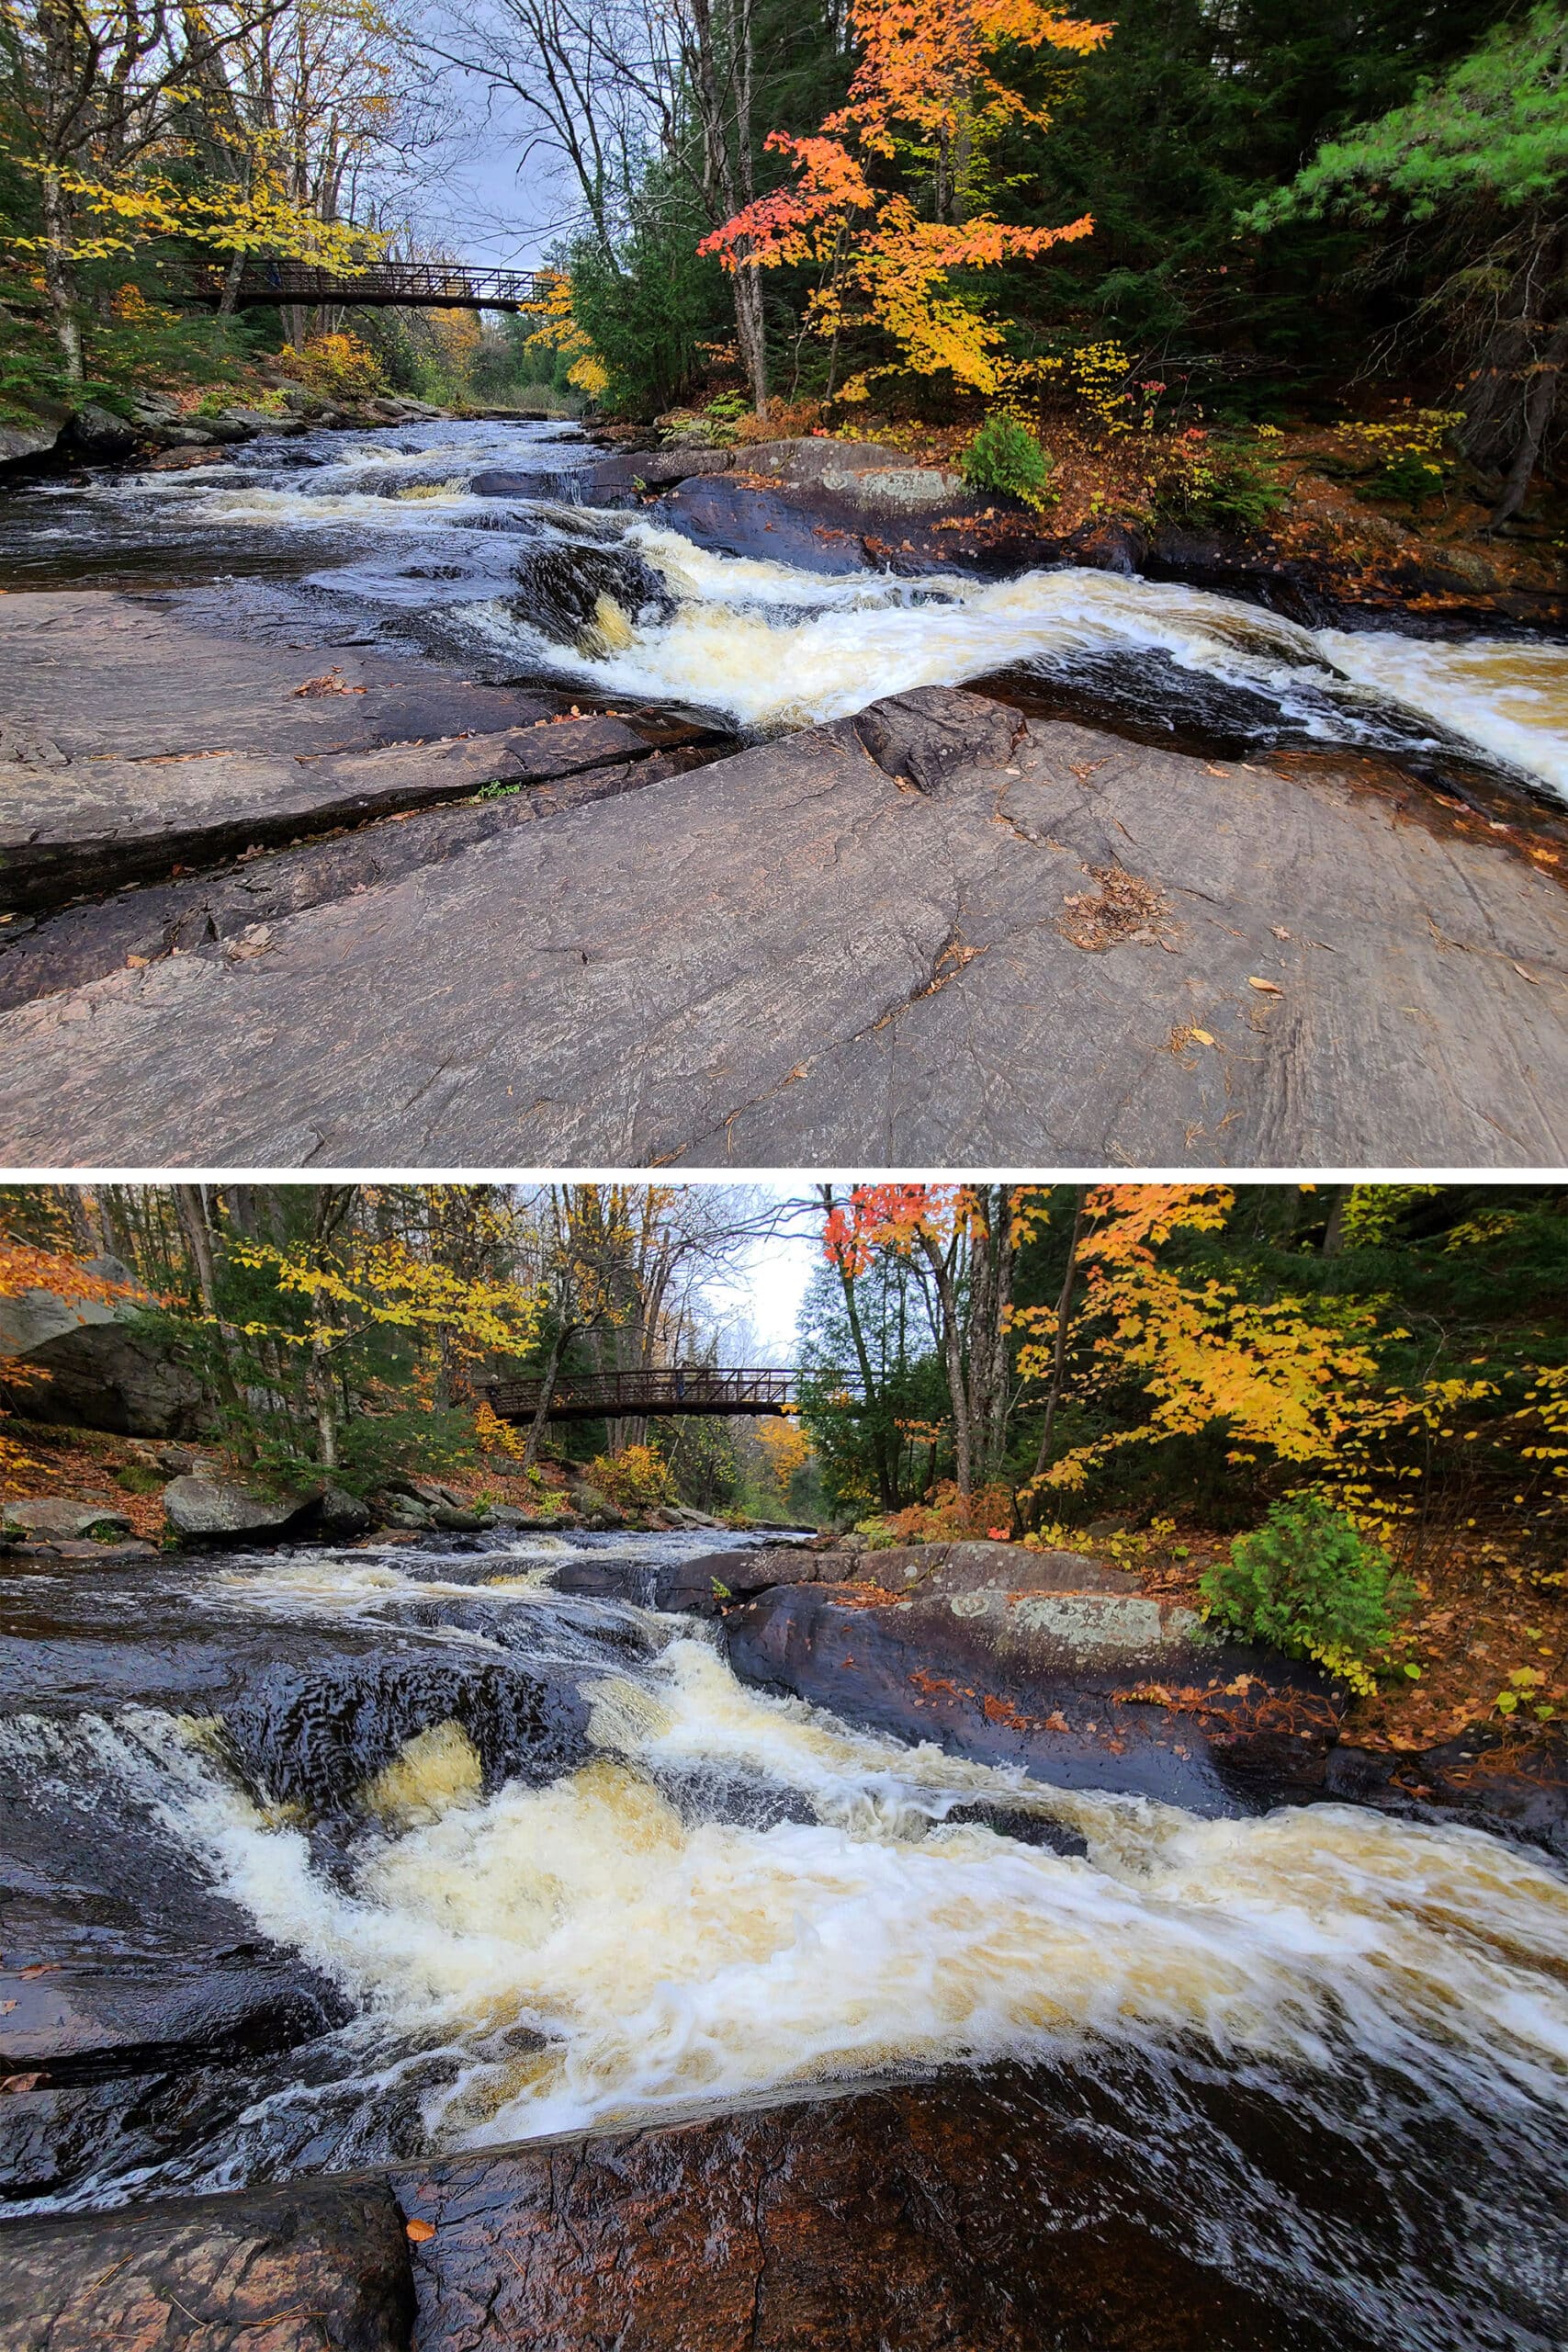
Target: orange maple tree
929 99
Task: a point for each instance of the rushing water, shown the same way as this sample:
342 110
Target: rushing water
383 538
568 1871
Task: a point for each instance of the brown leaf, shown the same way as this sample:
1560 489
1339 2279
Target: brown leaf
1265 988
1202 1036
419 2232
1527 975
11 2086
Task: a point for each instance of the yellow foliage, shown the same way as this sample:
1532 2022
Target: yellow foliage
635 1479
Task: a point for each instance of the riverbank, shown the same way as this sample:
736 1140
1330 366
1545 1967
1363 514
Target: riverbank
1325 549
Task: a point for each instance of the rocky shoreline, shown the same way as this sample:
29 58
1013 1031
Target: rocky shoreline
941 929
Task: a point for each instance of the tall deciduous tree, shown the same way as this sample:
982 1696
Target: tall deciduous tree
893 193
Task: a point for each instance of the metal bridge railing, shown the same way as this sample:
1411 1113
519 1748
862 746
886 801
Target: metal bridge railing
383 285
622 1396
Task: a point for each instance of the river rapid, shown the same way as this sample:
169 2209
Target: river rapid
383 540
563 1871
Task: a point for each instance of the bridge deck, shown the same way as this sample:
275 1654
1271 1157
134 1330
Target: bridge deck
619 1396
385 285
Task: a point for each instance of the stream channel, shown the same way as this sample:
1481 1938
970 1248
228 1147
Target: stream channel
381 539
439 1854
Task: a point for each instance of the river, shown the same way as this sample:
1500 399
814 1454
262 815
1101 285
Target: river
562 1870
381 539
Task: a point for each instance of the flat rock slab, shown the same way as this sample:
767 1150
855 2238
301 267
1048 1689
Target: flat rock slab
231 911
95 824
937 935
292 2269
87 674
933 2217
1082 1689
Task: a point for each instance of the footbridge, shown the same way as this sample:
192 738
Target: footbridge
381 286
627 1395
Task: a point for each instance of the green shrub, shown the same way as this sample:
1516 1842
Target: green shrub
1308 1582
139 1478
1216 480
1005 458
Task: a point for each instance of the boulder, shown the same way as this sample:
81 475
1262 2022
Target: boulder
693 1586
290 2269
1081 1678
20 442
509 1515
343 1514
97 432
395 1509
261 419
220 1510
102 1375
50 1517
457 1518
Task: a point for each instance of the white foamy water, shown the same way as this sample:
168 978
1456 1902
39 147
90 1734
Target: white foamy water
667 1954
398 530
773 647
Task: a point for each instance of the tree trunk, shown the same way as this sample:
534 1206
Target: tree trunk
230 300
749 332
952 1354
60 275
190 1207
1334 1232
1059 1354
1540 406
293 316
546 1397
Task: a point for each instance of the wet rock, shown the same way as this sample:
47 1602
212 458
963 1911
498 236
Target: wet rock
220 1510
694 1586
936 2217
341 1514
102 1375
509 1515
67 1521
21 442
316 1733
458 1520
289 2269
575 593
77 2021
53 2136
624 475
1484 1779
1082 1686
99 433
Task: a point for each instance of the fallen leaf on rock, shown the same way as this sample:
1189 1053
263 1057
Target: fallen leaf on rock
1265 988
419 2232
138 963
1527 975
1203 1036
12 2085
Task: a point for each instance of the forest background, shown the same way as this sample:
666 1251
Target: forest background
1152 1373
1201 219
